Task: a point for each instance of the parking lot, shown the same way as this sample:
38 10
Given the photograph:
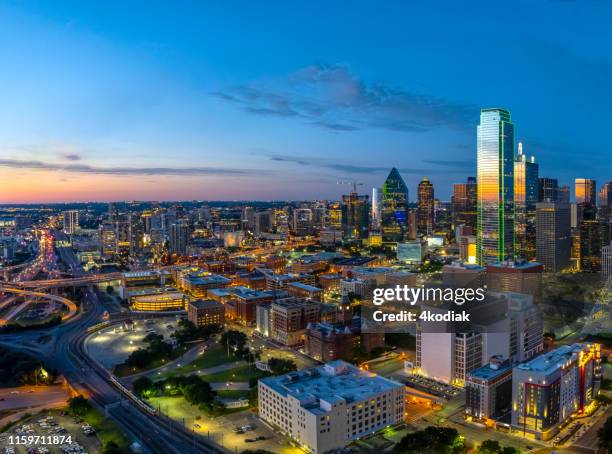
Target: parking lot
74 434
112 346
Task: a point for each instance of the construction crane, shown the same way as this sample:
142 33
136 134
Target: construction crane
354 183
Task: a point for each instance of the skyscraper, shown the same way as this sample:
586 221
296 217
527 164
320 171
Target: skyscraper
355 216
375 215
526 193
464 203
495 148
71 221
394 209
585 191
548 190
605 201
594 236
553 238
180 233
425 215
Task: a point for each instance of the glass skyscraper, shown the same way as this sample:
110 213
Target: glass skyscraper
495 149
394 210
526 194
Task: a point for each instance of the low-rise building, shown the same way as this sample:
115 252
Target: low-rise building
488 390
158 299
554 386
206 312
329 406
305 291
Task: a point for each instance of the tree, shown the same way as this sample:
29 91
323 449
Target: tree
605 435
489 447
279 366
78 405
143 386
110 447
444 440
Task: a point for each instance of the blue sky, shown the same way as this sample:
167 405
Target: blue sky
210 100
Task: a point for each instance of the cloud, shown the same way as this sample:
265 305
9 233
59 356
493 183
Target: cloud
72 157
157 171
343 167
332 97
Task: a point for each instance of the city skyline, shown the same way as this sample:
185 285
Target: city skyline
92 114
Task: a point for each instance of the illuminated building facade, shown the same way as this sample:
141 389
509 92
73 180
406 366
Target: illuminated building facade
355 216
425 208
394 208
495 161
585 190
71 222
206 312
552 387
526 193
155 300
464 203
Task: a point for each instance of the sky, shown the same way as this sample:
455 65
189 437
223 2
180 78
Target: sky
291 100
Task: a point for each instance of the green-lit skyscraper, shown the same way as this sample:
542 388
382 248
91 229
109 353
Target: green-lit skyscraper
495 150
394 208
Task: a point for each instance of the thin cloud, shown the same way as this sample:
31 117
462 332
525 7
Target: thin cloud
87 169
355 168
72 157
332 97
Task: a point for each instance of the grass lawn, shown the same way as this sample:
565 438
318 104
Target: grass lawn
105 428
241 373
385 367
233 393
214 356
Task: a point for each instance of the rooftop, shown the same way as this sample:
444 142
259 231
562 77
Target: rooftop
309 288
334 382
205 304
555 359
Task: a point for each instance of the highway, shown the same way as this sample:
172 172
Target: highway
61 347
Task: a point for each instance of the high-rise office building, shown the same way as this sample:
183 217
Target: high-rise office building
425 207
495 148
376 208
526 193
594 235
302 221
606 263
585 190
506 324
553 236
71 221
464 203
180 233
564 194
394 208
605 201
548 190
355 216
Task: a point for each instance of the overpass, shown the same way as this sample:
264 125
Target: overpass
72 308
67 282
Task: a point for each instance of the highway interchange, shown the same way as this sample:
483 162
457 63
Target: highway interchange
61 348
